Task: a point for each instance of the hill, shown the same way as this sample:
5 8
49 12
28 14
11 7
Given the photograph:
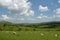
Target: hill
8 26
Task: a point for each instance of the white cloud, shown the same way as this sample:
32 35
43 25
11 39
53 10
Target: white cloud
27 13
21 7
5 17
57 12
31 13
42 16
21 19
5 2
32 19
43 9
58 1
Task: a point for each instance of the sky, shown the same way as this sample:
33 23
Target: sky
29 11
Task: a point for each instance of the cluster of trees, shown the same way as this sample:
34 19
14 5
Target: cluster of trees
7 26
18 27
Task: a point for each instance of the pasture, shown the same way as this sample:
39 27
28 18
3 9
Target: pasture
30 35
38 31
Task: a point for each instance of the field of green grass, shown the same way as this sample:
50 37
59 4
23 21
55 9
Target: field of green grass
38 31
29 35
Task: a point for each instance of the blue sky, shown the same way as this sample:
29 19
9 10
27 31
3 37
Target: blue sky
29 11
51 4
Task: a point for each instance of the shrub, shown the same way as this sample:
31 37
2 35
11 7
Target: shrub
34 29
26 29
19 29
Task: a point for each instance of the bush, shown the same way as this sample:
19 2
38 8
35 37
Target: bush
26 29
34 29
1 29
19 29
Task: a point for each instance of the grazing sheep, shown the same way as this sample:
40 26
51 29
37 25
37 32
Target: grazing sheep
41 34
14 33
56 35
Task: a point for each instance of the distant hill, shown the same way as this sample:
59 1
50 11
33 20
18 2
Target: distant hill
39 26
56 23
50 24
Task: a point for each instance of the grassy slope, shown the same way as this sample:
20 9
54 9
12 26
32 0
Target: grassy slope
27 33
7 26
30 35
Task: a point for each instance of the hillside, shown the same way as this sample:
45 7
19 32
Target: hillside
8 26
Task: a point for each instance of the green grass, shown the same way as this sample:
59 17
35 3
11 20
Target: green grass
30 35
30 31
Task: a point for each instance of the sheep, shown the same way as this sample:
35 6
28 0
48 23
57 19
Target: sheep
14 33
56 35
41 34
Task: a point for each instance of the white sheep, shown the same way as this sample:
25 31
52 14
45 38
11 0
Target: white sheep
14 33
56 35
41 34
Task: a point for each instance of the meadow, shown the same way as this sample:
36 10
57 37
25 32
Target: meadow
43 31
29 35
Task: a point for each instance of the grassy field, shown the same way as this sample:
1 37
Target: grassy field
29 35
38 31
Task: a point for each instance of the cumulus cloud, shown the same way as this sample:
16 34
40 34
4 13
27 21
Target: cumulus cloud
5 17
21 19
58 1
27 13
57 12
43 8
22 7
42 16
32 19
